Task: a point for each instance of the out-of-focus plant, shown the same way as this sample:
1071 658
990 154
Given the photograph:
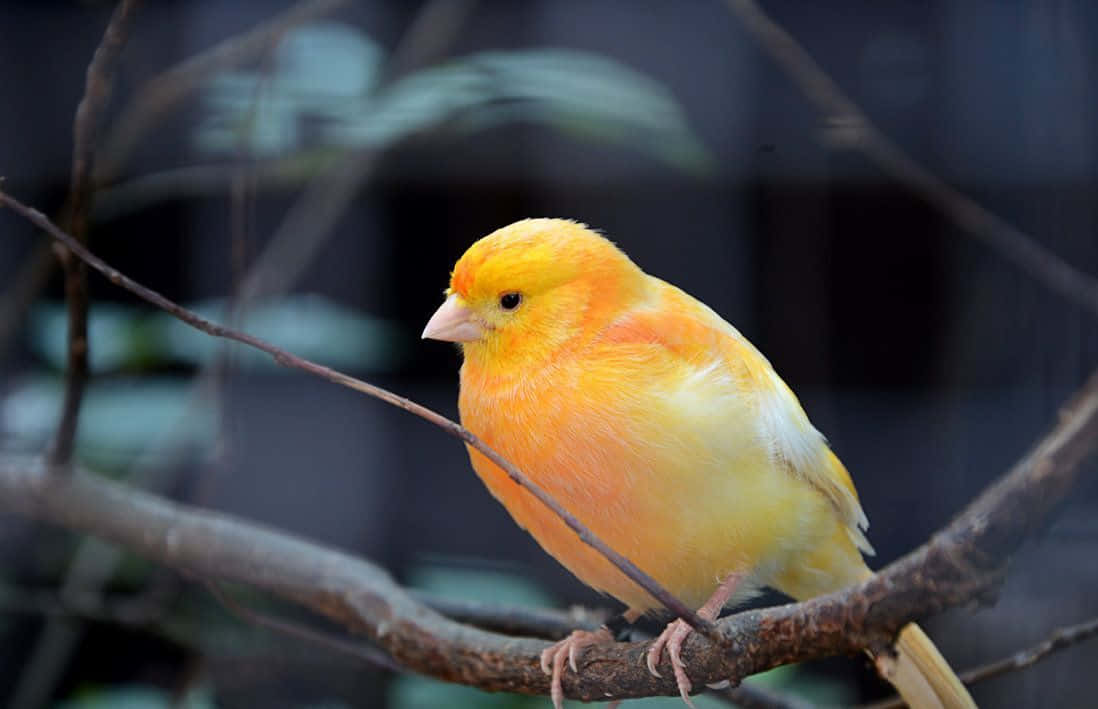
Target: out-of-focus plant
311 325
325 89
123 413
139 697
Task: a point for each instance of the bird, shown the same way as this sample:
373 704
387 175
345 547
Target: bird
664 431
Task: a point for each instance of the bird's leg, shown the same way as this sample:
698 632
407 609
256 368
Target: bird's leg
677 631
571 650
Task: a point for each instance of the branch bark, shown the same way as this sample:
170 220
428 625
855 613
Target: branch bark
963 562
97 91
850 127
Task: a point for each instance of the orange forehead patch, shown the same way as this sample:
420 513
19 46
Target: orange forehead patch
461 280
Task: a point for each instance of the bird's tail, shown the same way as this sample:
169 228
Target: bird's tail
921 675
917 670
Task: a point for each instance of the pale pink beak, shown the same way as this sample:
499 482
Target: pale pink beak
453 322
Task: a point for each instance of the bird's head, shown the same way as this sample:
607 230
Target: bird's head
523 292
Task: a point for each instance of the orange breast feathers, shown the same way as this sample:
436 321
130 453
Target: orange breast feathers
647 416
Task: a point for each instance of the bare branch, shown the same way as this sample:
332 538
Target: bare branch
750 696
126 610
23 288
287 359
963 562
369 655
431 32
514 620
1057 640
97 91
850 127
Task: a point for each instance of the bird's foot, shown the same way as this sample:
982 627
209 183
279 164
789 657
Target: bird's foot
671 639
571 650
678 630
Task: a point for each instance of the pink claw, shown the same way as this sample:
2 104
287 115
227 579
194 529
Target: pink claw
678 631
570 649
672 639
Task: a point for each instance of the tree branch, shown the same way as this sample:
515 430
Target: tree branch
749 696
97 90
369 655
963 562
287 359
1057 640
850 127
514 620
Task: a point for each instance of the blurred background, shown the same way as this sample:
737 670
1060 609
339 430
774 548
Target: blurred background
311 171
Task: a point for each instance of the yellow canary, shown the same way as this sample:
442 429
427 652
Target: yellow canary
663 430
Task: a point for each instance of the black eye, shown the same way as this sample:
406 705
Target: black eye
510 301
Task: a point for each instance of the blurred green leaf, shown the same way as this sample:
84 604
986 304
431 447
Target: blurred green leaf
119 419
318 69
815 688
477 585
139 697
117 335
311 326
416 692
325 78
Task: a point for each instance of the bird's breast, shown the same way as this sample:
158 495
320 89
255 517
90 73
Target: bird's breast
668 470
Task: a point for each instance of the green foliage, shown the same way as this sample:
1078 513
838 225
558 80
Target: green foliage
496 587
121 417
816 689
138 697
122 414
325 77
126 338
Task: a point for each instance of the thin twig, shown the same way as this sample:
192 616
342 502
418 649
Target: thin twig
288 359
97 91
131 610
752 696
850 127
164 93
52 647
22 290
514 620
370 655
1057 640
430 34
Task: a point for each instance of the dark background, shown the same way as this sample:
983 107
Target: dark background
930 363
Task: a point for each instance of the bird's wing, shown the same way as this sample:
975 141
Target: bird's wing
692 332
